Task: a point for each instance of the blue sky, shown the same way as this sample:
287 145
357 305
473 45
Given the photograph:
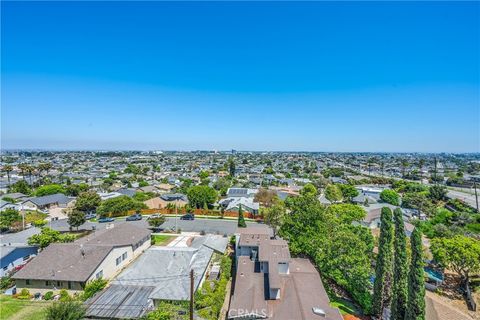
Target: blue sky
313 76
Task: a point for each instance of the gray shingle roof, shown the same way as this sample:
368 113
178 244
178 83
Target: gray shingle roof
59 198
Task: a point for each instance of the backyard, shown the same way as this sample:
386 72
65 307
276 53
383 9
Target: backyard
162 239
15 309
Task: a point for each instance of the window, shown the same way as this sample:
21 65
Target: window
99 274
59 283
69 285
27 282
119 260
124 256
47 283
26 257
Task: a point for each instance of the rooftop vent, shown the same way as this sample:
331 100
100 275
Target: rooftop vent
319 312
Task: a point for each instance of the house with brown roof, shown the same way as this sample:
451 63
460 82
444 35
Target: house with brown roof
70 266
270 284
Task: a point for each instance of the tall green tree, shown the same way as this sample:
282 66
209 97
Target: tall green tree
382 287
416 280
231 167
7 169
275 215
198 196
76 218
241 219
87 201
333 193
400 268
460 254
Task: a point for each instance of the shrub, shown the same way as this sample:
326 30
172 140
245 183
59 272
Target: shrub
64 295
71 310
5 283
93 287
48 295
24 294
39 223
390 196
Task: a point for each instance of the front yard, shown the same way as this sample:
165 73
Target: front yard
15 309
162 239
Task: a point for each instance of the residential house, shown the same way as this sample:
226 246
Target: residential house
234 203
11 257
161 273
177 199
241 192
70 266
58 200
270 284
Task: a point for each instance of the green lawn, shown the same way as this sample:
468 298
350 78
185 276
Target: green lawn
15 309
162 240
345 306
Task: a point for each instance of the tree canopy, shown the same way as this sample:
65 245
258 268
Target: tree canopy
47 236
119 206
199 196
390 196
49 189
87 201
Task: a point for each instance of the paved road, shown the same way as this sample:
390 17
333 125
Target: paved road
466 197
216 226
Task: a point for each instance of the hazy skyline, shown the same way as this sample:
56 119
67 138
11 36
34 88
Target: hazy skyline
312 76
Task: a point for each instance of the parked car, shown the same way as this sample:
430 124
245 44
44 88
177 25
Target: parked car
134 217
89 216
105 219
188 216
154 216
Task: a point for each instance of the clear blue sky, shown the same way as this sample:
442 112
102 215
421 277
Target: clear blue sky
314 76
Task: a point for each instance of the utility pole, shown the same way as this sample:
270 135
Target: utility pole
476 196
191 294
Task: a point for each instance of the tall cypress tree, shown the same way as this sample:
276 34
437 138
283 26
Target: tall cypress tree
400 268
241 219
382 287
416 280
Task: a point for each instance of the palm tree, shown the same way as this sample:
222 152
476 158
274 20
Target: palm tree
23 169
31 171
404 164
7 168
382 167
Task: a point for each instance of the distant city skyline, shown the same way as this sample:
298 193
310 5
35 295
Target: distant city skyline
311 76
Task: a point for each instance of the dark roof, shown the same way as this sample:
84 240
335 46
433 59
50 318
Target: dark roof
120 235
127 192
65 262
120 302
59 198
173 197
237 191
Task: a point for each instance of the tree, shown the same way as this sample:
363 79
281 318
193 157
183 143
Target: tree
241 219
119 206
266 197
76 218
157 222
20 186
49 189
63 310
404 164
309 190
416 280
47 236
8 217
333 193
75 189
348 192
341 251
437 192
275 215
231 167
198 196
460 254
346 212
400 268
87 201
382 287
222 185
7 169
390 196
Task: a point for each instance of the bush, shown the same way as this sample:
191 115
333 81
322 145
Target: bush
5 283
64 295
390 196
24 294
48 295
93 287
39 223
71 310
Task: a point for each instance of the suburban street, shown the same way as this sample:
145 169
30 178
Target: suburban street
215 226
465 197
